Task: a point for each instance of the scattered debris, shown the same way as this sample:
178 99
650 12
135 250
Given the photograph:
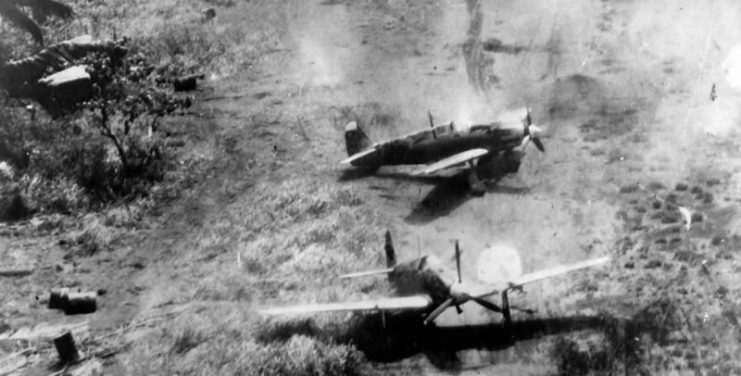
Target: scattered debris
73 303
66 348
187 83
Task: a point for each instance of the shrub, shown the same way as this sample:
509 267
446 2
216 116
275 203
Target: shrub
306 356
105 150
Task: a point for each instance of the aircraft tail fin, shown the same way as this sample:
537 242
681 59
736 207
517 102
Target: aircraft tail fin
355 139
390 252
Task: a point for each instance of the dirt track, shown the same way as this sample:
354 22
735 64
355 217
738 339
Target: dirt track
622 89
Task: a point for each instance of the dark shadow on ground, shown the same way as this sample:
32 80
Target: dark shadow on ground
446 196
403 336
449 192
394 337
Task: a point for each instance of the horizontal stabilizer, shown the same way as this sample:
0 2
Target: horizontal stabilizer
452 161
367 273
417 302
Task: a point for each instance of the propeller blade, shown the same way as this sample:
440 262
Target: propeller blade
458 261
432 124
528 119
438 311
532 133
487 304
525 142
538 144
390 253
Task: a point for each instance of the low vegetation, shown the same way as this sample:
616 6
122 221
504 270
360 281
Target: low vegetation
114 147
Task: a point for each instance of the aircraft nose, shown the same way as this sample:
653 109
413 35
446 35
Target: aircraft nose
459 292
535 131
532 133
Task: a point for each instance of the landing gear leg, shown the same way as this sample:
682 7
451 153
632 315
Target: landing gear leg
477 187
507 315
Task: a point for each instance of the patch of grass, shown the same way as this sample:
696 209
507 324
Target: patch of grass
219 340
186 340
55 195
177 36
93 238
302 234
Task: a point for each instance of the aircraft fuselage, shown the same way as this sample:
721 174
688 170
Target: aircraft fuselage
425 147
425 275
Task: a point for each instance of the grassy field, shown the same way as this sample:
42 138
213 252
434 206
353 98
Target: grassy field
253 209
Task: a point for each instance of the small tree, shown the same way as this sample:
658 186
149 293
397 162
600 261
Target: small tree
126 109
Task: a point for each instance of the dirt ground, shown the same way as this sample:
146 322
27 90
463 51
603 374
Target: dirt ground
637 98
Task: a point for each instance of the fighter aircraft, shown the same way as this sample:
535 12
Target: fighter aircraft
486 149
426 285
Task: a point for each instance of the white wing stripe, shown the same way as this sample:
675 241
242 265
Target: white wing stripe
417 302
484 291
453 160
548 273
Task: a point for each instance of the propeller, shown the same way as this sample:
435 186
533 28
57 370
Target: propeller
390 253
532 132
460 293
458 261
438 311
487 304
432 124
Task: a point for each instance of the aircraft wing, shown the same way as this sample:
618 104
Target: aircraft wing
540 275
407 303
451 161
553 272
